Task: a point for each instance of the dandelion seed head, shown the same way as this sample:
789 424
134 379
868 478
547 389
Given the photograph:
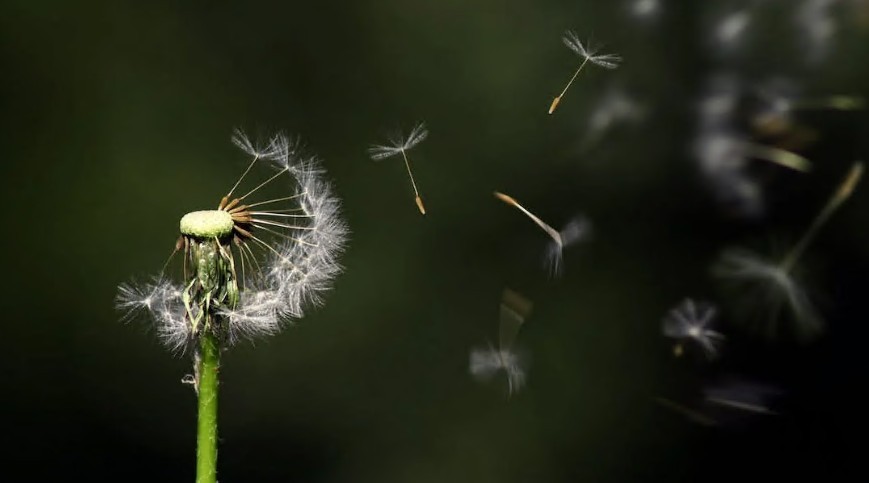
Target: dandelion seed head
257 260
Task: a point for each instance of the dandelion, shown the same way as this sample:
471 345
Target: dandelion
644 9
615 107
732 27
723 156
742 395
817 25
248 266
400 145
785 103
694 415
690 322
724 150
484 363
718 106
778 105
588 54
576 230
728 402
775 281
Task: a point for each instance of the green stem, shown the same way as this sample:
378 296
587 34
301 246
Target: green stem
206 439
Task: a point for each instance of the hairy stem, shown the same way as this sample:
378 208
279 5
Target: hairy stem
206 438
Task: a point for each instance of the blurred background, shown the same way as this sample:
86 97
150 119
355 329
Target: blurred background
115 120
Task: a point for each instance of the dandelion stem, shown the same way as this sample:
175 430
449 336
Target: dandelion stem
275 200
839 197
255 158
779 156
264 183
412 182
206 439
558 98
552 232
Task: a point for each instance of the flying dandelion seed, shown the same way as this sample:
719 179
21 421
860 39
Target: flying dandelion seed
781 157
723 157
717 108
400 145
730 402
724 152
248 266
742 395
775 283
588 54
578 229
614 108
780 98
731 28
778 105
817 25
644 9
694 415
485 363
690 321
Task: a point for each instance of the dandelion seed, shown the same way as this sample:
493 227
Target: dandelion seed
730 402
690 322
742 395
485 363
777 156
778 104
785 103
732 27
645 9
578 229
776 283
693 415
400 145
588 54
615 107
723 156
816 24
718 106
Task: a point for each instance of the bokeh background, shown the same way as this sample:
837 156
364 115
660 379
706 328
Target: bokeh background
115 119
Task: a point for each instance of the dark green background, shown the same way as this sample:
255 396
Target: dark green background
115 120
